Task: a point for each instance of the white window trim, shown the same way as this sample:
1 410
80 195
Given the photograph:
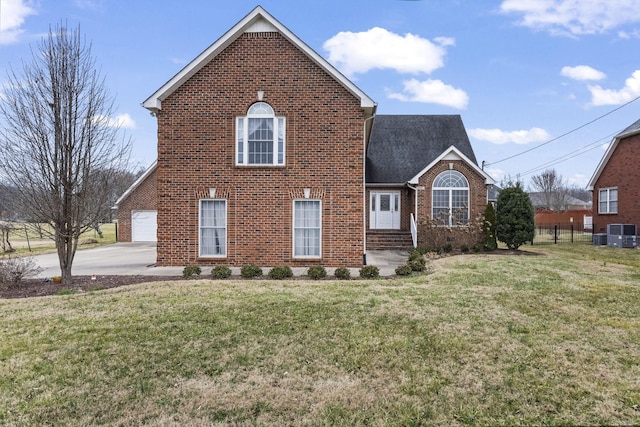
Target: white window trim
451 222
608 192
226 228
278 122
293 230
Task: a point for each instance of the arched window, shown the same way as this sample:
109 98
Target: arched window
450 198
260 137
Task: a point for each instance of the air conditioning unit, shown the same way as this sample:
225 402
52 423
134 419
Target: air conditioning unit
621 235
599 239
629 241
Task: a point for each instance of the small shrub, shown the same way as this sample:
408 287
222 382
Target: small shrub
280 273
478 247
342 273
415 254
404 270
221 272
87 241
464 248
417 264
369 272
14 268
317 272
447 248
250 271
191 270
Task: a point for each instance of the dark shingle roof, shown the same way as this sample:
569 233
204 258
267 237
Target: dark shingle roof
635 127
401 146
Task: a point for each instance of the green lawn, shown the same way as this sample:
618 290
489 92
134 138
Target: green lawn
29 240
545 339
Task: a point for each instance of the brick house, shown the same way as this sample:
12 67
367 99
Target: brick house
263 148
616 182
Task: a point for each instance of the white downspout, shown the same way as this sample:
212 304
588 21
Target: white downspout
415 200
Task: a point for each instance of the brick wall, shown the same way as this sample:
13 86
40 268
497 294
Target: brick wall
621 171
143 197
324 152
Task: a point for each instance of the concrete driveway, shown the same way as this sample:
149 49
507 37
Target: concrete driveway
140 258
116 259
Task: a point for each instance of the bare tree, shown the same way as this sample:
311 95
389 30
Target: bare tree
552 187
60 147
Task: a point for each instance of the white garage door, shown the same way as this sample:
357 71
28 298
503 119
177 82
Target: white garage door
144 225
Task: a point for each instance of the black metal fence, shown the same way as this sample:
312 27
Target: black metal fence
562 233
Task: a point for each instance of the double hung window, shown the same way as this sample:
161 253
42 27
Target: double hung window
213 228
608 200
260 137
307 230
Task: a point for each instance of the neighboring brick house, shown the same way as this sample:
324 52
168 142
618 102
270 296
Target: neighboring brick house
262 146
616 182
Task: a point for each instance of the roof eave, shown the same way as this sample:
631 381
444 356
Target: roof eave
488 180
605 159
154 102
136 183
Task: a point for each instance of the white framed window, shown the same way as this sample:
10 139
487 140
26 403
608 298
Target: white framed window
260 137
450 198
213 228
608 200
307 228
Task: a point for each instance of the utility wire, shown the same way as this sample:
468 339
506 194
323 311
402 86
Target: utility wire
575 153
561 160
564 134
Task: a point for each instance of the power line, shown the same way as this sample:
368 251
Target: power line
564 134
573 154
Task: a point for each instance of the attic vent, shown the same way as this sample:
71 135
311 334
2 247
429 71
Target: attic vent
262 35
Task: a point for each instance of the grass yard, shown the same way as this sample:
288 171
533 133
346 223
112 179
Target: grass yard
546 339
30 241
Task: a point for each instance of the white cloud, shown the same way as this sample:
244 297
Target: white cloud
631 90
496 174
498 136
12 17
122 121
578 179
635 34
92 5
378 48
432 92
574 17
582 72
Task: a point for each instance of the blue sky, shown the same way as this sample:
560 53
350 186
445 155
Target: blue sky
520 72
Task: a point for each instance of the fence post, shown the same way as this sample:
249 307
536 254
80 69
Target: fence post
555 234
571 233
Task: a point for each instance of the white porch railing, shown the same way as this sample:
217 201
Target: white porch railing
414 231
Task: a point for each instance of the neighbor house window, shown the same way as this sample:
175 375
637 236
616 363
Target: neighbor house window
213 228
260 137
450 198
307 231
608 200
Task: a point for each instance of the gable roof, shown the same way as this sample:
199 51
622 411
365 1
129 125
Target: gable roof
538 199
629 131
403 147
137 183
258 20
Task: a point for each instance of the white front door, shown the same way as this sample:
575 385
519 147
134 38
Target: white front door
384 210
